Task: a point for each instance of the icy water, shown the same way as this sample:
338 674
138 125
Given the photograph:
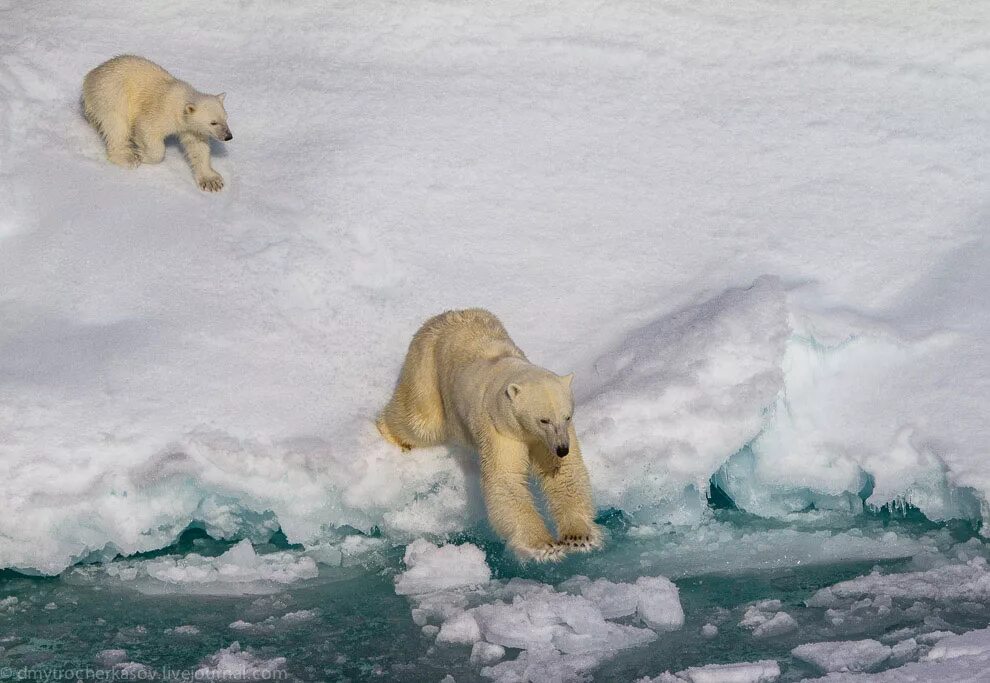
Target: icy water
356 628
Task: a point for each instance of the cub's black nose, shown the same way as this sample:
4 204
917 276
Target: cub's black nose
228 138
562 451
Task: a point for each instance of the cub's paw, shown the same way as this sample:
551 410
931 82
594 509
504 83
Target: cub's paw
582 540
212 182
124 158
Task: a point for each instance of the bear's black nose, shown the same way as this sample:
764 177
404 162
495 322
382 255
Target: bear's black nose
229 137
562 451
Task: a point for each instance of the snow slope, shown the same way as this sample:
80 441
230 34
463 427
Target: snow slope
614 181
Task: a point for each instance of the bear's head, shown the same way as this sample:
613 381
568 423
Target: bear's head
542 407
206 116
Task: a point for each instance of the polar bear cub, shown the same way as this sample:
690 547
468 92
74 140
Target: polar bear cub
135 104
464 381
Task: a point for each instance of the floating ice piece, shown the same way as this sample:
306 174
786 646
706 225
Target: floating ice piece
955 582
659 604
763 671
233 664
709 630
483 654
107 657
965 644
843 655
765 620
432 568
543 665
777 625
239 571
462 629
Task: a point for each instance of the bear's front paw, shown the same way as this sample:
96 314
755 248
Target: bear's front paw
550 551
211 182
582 539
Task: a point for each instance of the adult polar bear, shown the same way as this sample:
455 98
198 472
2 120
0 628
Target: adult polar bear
464 381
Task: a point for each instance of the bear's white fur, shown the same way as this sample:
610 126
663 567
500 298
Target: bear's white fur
135 104
464 381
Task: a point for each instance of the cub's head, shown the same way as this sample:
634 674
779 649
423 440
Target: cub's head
207 117
543 407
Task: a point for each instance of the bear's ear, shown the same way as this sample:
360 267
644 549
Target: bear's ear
567 379
512 391
221 96
190 108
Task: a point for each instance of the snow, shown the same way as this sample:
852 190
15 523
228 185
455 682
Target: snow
846 655
749 228
238 571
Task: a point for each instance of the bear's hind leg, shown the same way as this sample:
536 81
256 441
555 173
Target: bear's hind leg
411 427
565 483
116 132
150 146
511 511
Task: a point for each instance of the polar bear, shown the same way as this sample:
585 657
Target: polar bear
135 104
464 381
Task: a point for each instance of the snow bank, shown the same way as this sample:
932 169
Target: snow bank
562 633
612 188
240 570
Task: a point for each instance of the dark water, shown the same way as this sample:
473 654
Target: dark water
363 631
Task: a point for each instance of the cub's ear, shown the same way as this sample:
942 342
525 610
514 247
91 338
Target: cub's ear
221 96
567 379
190 108
512 391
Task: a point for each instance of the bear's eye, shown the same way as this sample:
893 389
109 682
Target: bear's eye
213 123
546 422
567 419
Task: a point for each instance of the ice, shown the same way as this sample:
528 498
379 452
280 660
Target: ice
952 582
659 606
109 657
185 630
841 656
777 625
240 570
462 628
709 630
961 658
561 632
483 654
654 600
432 568
765 619
764 671
234 664
217 361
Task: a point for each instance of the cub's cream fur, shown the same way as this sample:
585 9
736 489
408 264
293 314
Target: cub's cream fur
135 104
464 381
